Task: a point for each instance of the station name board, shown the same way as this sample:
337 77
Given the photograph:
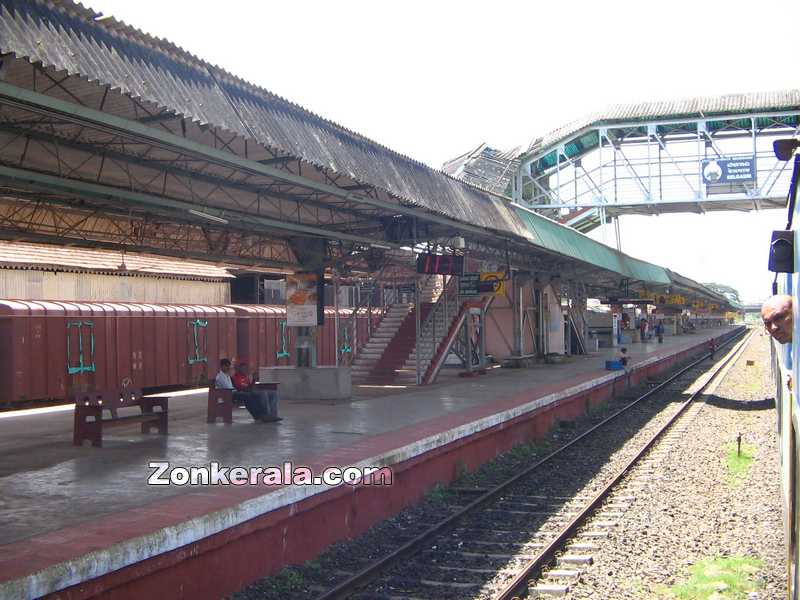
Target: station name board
728 170
628 301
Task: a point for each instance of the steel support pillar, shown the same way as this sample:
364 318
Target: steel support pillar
418 316
482 339
336 315
516 309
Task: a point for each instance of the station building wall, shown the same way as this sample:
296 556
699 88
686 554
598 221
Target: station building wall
18 284
500 324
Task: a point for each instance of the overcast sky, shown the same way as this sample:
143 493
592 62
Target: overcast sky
434 79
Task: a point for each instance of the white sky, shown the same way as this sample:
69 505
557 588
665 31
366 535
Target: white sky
434 79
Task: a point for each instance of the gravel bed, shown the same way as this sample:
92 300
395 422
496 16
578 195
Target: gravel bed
694 509
346 557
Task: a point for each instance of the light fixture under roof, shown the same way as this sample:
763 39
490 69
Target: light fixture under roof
204 215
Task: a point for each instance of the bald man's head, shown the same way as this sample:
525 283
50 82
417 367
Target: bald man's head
777 315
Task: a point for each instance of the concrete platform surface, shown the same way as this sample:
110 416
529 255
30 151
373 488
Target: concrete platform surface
69 514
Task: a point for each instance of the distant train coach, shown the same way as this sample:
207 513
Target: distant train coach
50 350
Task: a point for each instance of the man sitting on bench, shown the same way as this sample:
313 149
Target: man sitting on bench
246 384
254 403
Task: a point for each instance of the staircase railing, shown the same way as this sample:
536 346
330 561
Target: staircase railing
441 307
451 340
349 345
578 323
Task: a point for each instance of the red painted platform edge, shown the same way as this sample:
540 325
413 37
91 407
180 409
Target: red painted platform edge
225 562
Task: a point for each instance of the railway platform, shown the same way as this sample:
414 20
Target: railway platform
83 522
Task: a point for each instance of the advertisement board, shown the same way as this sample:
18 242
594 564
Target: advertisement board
302 298
497 280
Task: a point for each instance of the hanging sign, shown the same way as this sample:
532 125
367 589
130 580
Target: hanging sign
469 284
497 279
440 264
477 284
728 170
302 298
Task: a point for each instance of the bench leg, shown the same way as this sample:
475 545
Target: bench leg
219 407
226 411
212 409
148 405
163 422
85 429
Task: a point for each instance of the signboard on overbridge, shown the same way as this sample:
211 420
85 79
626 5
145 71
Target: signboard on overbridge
728 170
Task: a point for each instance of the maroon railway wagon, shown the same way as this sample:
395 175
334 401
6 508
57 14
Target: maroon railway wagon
50 350
264 340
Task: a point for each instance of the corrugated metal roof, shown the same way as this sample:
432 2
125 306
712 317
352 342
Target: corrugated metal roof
691 285
485 167
40 256
65 36
694 108
570 242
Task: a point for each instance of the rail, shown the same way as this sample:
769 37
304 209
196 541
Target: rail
520 582
354 583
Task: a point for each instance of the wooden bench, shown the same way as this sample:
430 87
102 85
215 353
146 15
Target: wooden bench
89 422
220 402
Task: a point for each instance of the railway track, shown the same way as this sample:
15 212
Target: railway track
534 532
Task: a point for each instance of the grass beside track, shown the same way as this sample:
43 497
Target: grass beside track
738 464
719 578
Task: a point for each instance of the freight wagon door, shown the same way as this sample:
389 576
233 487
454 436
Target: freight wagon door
137 332
81 364
196 355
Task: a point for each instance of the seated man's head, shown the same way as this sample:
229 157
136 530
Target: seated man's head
225 365
777 316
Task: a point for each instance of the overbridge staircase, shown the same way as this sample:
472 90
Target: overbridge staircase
453 341
433 331
384 355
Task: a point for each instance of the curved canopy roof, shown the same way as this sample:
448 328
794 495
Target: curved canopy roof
101 55
697 107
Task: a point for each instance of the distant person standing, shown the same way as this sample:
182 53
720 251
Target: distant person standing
643 329
660 332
